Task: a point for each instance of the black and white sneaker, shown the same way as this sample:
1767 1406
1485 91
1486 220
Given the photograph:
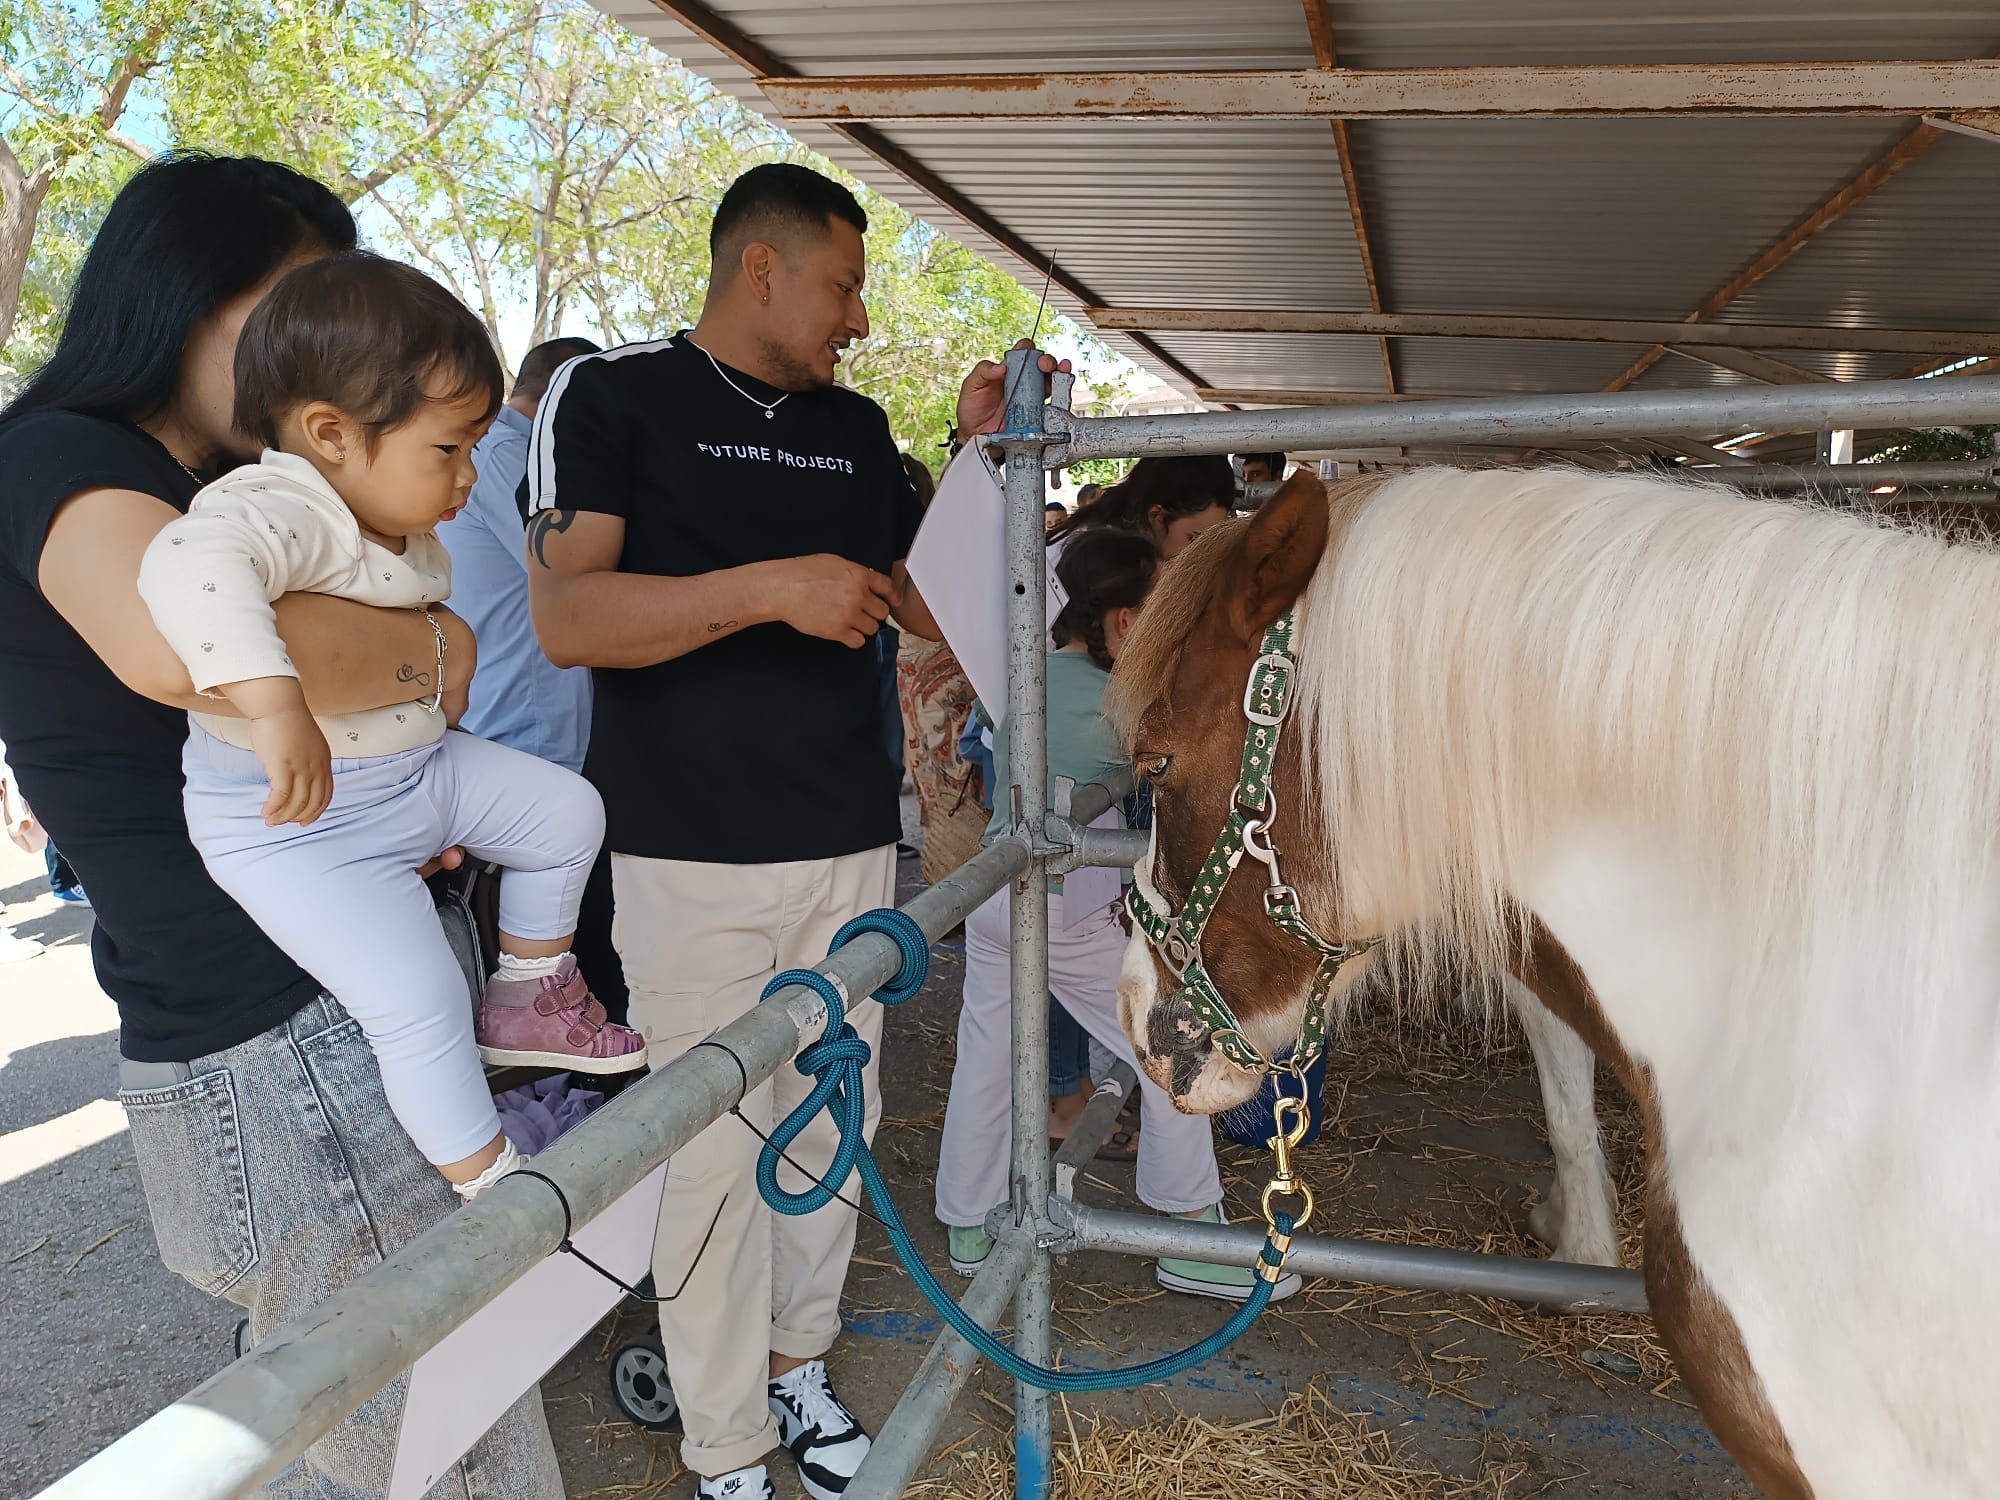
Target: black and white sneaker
817 1430
752 1483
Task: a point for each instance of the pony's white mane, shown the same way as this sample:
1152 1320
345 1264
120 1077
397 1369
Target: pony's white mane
1812 698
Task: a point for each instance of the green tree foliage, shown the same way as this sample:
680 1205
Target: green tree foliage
551 168
1928 445
67 75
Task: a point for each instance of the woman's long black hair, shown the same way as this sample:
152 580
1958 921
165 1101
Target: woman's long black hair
184 235
1179 486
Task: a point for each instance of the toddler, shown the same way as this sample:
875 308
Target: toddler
368 384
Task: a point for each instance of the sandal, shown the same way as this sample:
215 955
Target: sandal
1123 1142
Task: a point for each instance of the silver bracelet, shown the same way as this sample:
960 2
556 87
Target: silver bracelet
436 700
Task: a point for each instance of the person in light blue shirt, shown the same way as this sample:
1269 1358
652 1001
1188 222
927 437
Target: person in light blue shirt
519 698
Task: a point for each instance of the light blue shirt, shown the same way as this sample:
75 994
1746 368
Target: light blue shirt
519 698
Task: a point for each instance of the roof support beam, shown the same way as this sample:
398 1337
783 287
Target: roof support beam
1319 24
1837 88
1958 342
1864 184
726 37
1749 362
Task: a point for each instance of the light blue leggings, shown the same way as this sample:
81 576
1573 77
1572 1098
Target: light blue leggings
342 896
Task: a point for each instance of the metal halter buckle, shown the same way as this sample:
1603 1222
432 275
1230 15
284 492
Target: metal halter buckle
1277 896
1178 952
1251 711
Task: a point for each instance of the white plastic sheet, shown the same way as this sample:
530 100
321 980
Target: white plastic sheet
959 563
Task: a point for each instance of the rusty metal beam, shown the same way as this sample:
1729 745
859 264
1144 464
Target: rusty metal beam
1959 342
755 58
1748 362
1649 89
1864 184
1319 25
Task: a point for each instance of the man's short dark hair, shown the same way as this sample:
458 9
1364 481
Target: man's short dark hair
540 364
373 337
1055 505
779 203
1274 462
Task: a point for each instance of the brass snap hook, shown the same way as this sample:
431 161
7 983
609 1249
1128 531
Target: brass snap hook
1292 1119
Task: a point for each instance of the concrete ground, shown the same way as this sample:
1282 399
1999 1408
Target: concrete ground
1436 1141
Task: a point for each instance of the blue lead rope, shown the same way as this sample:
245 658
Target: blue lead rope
834 1063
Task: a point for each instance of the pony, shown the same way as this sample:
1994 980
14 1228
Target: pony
1718 781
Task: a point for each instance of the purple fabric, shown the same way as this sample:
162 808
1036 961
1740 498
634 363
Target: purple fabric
536 1113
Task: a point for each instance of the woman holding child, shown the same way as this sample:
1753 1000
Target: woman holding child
274 1166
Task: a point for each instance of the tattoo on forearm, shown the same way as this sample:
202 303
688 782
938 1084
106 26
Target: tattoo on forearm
541 524
716 627
408 673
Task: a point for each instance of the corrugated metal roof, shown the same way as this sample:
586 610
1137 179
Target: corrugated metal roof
1638 218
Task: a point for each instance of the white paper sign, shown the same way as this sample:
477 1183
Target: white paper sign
464 1385
959 564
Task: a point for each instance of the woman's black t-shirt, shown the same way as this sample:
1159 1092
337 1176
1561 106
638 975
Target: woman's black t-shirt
101 766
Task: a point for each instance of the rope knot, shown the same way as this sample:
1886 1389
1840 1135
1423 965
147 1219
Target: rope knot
844 1052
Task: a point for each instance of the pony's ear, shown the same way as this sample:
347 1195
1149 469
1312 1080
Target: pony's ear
1281 548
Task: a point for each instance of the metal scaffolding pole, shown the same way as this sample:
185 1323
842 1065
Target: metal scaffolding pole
1028 774
1543 1283
1978 474
1534 419
1974 474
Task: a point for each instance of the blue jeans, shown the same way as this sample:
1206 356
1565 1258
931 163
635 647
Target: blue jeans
1069 1052
274 1175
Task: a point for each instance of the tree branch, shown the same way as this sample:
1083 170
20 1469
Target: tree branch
420 246
441 120
137 62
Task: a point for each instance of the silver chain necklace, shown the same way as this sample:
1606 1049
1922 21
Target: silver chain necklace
770 407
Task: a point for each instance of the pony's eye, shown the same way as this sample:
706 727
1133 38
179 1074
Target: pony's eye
1157 767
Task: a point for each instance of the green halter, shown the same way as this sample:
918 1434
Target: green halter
1266 700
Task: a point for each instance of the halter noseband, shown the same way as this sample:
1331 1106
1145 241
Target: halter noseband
1247 830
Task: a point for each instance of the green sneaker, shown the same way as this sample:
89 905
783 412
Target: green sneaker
1200 1278
970 1245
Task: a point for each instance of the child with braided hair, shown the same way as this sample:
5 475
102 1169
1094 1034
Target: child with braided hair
1107 574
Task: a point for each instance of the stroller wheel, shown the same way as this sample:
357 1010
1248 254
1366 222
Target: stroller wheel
640 1387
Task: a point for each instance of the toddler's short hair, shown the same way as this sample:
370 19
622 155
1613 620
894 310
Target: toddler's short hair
374 337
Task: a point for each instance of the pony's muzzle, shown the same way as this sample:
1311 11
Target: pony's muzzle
1174 1049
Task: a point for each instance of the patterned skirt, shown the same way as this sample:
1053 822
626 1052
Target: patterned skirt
936 701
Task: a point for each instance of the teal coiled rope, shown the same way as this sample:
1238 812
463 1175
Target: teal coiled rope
834 1063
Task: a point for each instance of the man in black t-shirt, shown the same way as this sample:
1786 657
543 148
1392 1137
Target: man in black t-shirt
718 530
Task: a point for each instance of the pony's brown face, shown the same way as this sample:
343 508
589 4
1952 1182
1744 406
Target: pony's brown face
1181 680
